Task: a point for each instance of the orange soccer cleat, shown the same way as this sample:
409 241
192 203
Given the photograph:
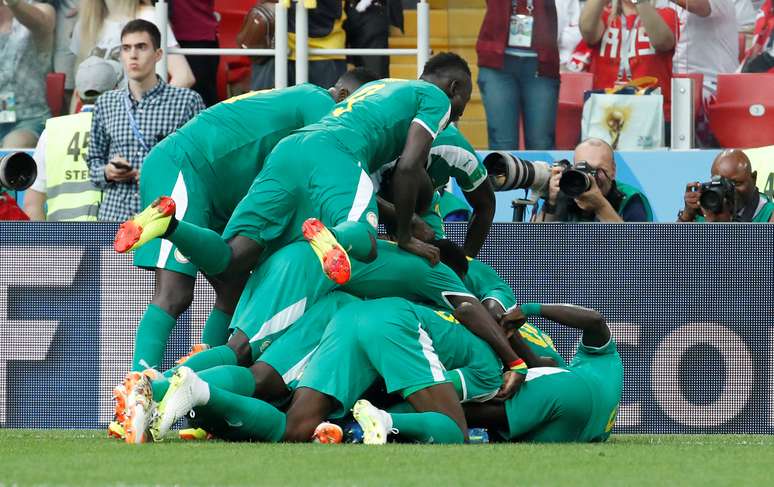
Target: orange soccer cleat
333 257
150 223
197 348
327 433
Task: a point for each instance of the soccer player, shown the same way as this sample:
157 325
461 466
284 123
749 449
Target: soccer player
562 404
451 155
322 171
409 345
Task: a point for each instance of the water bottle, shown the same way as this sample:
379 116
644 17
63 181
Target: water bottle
477 436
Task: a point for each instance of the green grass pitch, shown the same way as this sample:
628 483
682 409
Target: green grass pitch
84 458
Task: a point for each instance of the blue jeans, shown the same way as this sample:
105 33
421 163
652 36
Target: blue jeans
517 90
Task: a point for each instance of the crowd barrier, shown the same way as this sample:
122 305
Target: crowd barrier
691 307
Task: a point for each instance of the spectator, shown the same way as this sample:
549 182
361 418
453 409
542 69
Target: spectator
195 26
745 15
709 40
64 58
608 200
568 18
629 41
760 57
325 32
26 43
60 155
745 204
519 72
99 27
128 122
368 26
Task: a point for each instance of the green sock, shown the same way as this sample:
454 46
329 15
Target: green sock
355 237
204 247
231 378
160 387
401 407
248 418
428 427
216 328
207 359
151 339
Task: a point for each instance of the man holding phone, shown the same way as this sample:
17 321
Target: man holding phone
128 122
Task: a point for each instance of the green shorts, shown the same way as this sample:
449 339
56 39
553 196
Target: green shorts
397 273
278 293
168 171
291 352
305 176
363 342
433 217
553 405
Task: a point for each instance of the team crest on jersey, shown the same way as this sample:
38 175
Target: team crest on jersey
372 219
265 345
180 257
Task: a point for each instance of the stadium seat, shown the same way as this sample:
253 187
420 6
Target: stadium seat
55 86
743 114
698 90
234 5
570 111
232 69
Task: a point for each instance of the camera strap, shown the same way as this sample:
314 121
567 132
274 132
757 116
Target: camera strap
133 123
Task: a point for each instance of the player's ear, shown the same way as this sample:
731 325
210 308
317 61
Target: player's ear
454 87
342 95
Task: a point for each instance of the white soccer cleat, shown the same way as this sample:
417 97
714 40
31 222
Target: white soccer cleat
376 424
186 391
139 411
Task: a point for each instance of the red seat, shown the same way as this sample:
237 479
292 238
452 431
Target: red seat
55 87
234 5
698 90
743 114
570 110
232 69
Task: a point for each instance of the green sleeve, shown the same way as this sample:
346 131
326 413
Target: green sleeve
454 151
317 105
485 283
433 108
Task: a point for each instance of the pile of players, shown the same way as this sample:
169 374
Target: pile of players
276 196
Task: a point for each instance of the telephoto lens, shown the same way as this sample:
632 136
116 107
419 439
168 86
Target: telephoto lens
508 172
17 171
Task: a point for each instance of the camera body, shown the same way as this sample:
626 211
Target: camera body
577 179
718 194
17 171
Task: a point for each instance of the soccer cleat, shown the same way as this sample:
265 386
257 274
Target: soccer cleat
182 396
333 257
151 223
376 424
194 434
139 411
327 433
197 348
116 430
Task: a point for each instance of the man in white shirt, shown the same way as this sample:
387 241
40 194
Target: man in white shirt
568 17
709 40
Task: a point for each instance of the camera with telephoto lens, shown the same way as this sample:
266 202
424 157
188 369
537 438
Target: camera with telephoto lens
717 194
507 172
577 179
17 171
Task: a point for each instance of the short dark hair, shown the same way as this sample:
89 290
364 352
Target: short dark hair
443 62
453 256
140 25
359 76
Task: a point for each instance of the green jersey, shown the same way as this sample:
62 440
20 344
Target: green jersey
601 369
229 141
373 122
485 283
451 155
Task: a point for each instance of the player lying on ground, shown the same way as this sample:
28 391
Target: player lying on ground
320 171
575 403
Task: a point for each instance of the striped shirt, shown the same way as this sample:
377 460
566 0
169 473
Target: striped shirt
161 111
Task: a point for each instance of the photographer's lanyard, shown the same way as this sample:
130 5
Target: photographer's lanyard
520 35
133 123
624 65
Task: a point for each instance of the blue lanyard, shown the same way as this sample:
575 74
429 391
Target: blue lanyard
133 123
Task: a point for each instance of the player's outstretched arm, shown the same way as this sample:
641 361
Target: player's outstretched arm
596 333
482 200
406 182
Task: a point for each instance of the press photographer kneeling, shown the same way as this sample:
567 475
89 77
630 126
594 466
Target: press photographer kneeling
584 192
730 196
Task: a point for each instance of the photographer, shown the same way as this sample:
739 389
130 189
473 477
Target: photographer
606 199
730 196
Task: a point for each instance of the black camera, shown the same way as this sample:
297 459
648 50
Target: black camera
507 172
17 171
577 180
718 194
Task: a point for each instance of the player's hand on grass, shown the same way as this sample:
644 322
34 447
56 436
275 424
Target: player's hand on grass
512 382
421 230
422 249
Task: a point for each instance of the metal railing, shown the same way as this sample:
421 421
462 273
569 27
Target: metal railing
302 50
